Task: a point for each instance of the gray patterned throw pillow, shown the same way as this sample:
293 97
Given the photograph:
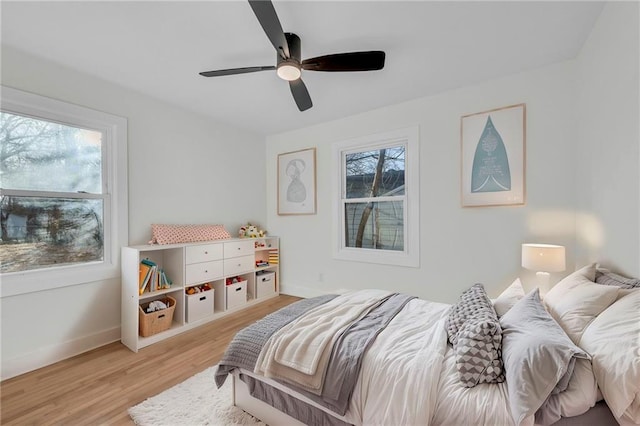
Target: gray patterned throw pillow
473 303
474 330
478 354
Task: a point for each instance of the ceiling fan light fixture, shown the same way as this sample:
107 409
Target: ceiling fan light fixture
289 63
288 70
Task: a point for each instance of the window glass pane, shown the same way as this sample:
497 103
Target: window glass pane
378 225
45 232
41 155
375 173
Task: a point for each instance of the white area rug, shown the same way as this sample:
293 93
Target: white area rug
196 401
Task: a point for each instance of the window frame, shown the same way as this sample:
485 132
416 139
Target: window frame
114 184
410 256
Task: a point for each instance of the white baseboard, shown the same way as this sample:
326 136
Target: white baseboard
307 292
51 354
299 291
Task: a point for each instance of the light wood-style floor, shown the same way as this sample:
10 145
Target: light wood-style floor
97 387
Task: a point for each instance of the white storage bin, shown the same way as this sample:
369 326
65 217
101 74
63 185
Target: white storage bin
199 305
265 284
236 294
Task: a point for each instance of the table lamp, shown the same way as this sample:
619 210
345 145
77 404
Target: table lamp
543 258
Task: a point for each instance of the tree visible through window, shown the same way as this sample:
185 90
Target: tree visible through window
374 198
52 196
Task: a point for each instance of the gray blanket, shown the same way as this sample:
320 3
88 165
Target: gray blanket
349 349
245 347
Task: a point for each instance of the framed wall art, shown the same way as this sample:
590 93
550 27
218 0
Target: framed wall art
297 182
493 157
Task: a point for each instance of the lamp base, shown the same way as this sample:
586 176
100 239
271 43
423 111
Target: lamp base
543 282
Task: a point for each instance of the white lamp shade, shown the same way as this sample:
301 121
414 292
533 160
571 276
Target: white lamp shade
543 257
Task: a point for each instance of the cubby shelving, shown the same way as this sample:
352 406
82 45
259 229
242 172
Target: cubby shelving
192 265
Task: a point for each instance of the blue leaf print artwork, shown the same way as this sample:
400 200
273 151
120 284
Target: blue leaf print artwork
490 171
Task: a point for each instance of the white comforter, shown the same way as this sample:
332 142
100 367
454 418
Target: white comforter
398 383
409 377
484 404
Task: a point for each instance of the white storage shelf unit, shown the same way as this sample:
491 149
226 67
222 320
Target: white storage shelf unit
191 265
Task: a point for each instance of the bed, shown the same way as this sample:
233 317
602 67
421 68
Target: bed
376 357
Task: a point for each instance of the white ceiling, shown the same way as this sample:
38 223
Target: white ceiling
158 48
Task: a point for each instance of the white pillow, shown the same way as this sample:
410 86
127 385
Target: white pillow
576 300
613 340
509 297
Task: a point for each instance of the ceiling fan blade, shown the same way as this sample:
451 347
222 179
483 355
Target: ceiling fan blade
353 61
300 94
268 18
232 71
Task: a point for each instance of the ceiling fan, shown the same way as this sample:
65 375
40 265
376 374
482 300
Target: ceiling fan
289 65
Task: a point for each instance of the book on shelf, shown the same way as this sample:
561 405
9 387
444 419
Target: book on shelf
163 280
167 279
274 257
145 276
152 278
148 262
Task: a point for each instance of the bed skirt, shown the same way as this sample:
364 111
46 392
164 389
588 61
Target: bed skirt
283 406
301 407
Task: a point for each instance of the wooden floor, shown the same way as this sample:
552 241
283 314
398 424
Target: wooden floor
97 387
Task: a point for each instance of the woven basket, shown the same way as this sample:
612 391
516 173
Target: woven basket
155 322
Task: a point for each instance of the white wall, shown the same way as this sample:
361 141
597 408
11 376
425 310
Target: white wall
183 168
459 246
608 147
583 179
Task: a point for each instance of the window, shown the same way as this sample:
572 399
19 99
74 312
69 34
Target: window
62 193
377 198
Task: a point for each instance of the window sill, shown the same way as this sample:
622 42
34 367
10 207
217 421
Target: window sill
381 257
19 283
